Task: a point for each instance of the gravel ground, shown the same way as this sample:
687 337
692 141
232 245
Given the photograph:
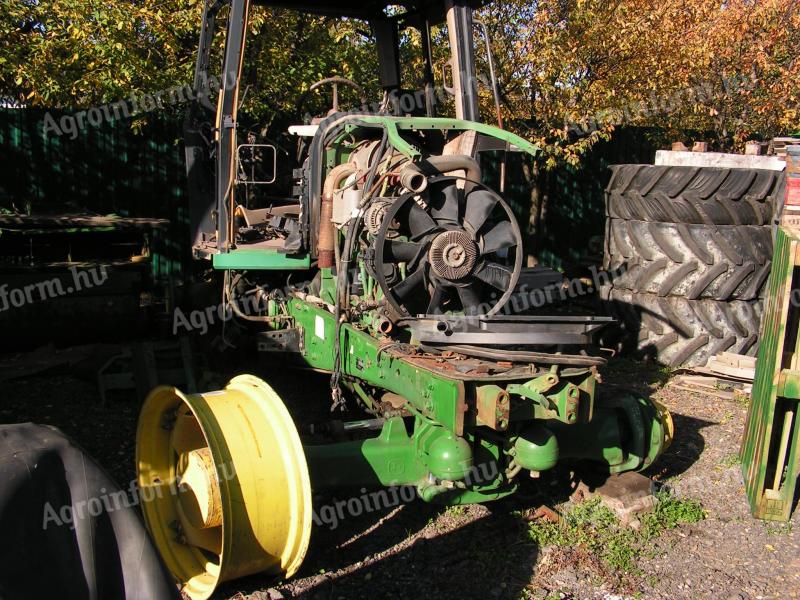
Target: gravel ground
485 551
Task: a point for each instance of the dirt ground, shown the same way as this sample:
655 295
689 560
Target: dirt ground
416 549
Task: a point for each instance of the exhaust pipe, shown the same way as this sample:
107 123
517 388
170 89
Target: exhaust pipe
327 228
414 176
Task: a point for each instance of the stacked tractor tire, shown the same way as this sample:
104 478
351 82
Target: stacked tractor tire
688 251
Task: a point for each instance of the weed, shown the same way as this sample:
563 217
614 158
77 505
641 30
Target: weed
457 510
592 525
661 377
730 460
773 528
670 512
595 527
741 398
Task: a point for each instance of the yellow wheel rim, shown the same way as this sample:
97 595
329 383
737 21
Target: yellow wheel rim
223 483
667 423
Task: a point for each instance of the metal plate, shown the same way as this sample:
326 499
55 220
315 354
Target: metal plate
281 340
527 330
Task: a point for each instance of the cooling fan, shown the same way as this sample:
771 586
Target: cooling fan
453 248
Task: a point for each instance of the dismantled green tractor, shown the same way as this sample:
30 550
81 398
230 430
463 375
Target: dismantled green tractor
411 267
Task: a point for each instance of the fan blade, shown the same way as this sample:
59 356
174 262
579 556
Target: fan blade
499 237
405 287
419 222
444 203
399 251
435 305
479 206
495 275
469 298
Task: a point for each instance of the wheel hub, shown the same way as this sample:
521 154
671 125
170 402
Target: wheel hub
453 254
199 486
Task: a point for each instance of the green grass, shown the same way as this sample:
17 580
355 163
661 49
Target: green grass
669 513
596 528
777 528
457 510
730 460
741 398
664 373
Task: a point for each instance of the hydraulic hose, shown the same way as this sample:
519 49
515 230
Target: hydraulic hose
342 273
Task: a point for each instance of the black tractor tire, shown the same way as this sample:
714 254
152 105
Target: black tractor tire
676 331
67 530
695 195
720 262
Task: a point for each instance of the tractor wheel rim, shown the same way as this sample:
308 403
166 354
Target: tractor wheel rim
224 484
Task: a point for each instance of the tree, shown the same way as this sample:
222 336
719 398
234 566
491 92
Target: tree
570 70
573 70
80 53
72 53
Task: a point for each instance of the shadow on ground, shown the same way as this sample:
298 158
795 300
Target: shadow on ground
685 450
384 555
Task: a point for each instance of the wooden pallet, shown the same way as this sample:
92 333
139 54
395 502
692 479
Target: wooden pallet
769 448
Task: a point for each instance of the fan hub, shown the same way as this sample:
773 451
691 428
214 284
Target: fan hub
453 254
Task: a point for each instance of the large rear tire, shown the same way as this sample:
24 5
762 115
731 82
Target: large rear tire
707 195
723 262
681 332
67 530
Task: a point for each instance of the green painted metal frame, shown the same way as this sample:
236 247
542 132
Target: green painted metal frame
769 450
449 444
445 411
434 397
259 259
393 124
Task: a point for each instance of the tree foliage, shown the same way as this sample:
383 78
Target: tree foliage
570 70
79 53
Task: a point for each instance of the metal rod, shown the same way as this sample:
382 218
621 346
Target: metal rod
430 98
496 94
363 425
